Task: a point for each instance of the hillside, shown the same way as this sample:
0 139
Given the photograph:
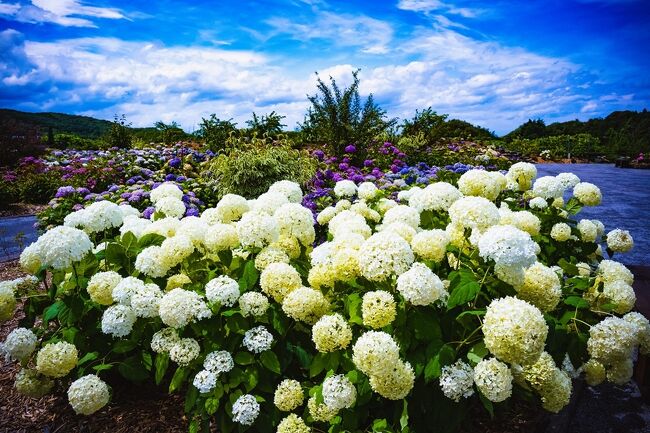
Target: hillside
83 126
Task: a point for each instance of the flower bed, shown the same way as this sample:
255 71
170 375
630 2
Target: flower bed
410 311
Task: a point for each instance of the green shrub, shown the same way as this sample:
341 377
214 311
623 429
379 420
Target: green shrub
38 187
249 168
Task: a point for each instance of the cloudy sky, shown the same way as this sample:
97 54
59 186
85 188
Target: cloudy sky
495 63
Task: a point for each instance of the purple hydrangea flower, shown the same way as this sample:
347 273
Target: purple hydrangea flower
350 148
148 212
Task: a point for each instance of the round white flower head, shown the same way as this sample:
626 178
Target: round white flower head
431 244
552 384
349 221
167 189
205 381
175 249
305 304
338 392
548 187
222 289
479 183
291 190
588 230
219 362
128 211
610 271
367 191
7 301
171 207
99 216
135 225
19 344
163 340
56 359
457 381
384 204
164 227
151 262
541 287
621 371
118 320
269 202
230 208
420 286
145 301
507 245
474 213
438 196
331 332
220 237
257 230
258 339
180 307
514 331
375 353
588 194
295 220
523 174
383 255
288 395
595 372
194 228
620 241
30 383
568 180
561 232
538 203
184 351
396 383
88 394
612 339
326 215
30 258
61 246
378 309
245 410
494 379
101 285
620 293
345 188
268 255
368 213
125 288
402 214
642 330
292 423
320 411
279 279
253 304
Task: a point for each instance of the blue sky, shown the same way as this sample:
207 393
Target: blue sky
494 63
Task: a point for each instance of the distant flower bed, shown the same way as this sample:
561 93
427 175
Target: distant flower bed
404 304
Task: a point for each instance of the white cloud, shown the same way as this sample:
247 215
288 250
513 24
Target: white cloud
63 12
372 35
428 6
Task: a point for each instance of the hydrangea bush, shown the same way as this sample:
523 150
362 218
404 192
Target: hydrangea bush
406 314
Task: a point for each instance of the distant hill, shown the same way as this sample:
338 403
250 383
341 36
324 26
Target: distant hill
622 132
83 126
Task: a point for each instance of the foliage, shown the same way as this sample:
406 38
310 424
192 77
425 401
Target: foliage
73 141
561 146
170 133
215 132
265 126
338 118
429 336
250 167
119 135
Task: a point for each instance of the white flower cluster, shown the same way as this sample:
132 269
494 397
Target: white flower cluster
420 286
19 344
245 410
180 307
438 196
383 255
215 363
620 241
494 379
222 289
457 381
338 392
88 394
258 339
118 320
58 248
98 217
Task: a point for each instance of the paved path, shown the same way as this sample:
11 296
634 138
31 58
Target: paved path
626 202
11 230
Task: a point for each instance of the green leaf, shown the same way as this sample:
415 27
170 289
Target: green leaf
102 367
353 305
444 357
124 346
116 254
249 277
404 418
132 369
150 239
487 404
477 352
190 398
425 326
577 301
161 364
88 357
177 380
244 358
568 268
380 426
270 361
211 405
464 289
318 364
53 311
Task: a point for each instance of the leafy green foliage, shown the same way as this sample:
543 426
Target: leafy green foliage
118 135
215 132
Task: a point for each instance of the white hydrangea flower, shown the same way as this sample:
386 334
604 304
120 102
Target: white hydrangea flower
367 191
163 340
219 362
151 262
620 241
118 320
420 286
101 286
479 183
135 225
253 304
61 246
167 189
383 255
257 230
288 395
431 244
331 332
164 227
612 339
99 216
348 221
568 180
258 339
30 258
125 288
338 392
588 194
295 220
291 190
56 359
494 379
438 196
326 215
474 213
19 344
221 237
194 228
588 230
507 245
171 207
305 304
375 353
88 394
548 187
145 301
396 383
538 203
269 202
522 174
245 410
230 208
402 214
128 211
205 381
541 287
561 232
184 351
222 289
457 381
345 188
610 271
180 307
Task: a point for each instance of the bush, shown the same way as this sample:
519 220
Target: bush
249 168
